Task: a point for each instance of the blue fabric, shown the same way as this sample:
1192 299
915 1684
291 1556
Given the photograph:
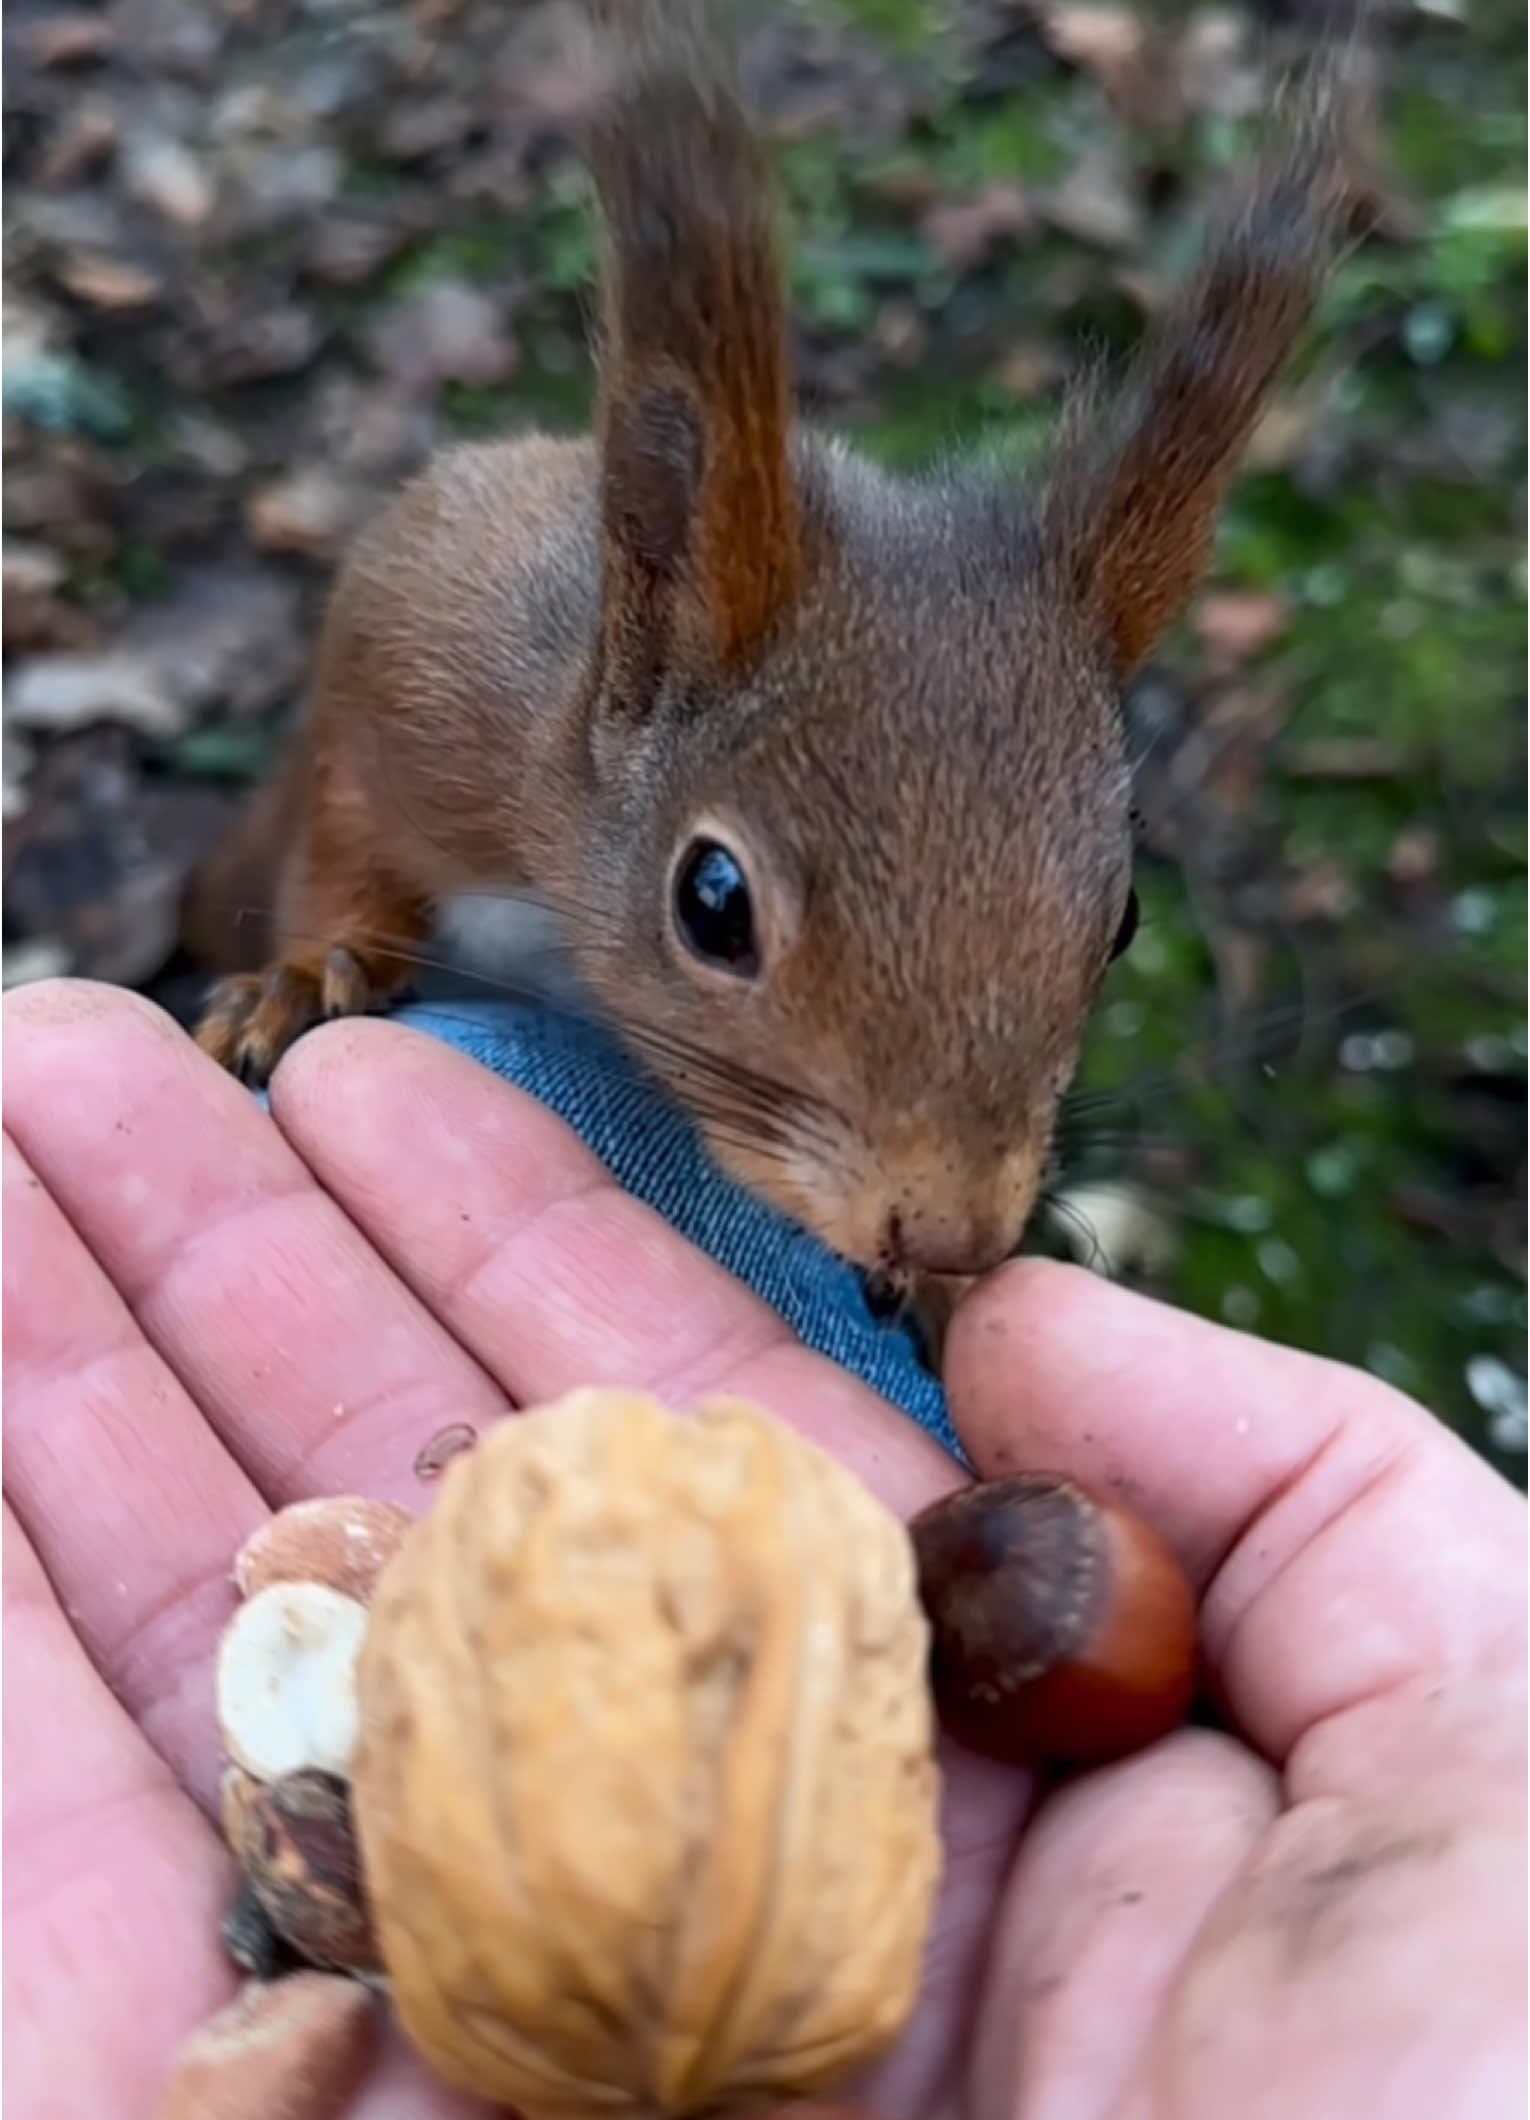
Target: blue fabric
651 1149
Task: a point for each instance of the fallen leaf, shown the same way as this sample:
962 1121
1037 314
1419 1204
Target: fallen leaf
97 865
1320 890
1414 855
348 249
107 282
900 331
63 692
35 615
548 67
227 638
1126 56
1095 204
963 234
312 513
179 36
1284 431
448 332
1214 76
70 39
275 339
1030 367
84 136
165 175
423 126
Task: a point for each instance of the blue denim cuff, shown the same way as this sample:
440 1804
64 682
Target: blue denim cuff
651 1149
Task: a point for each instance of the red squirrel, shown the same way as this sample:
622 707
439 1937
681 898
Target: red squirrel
823 770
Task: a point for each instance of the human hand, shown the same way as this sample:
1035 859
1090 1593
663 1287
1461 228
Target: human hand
208 1314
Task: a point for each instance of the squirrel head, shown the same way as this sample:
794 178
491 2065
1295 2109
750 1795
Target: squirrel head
858 848
855 901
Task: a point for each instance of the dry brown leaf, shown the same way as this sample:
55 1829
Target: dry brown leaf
70 40
108 283
84 136
1030 367
963 234
1095 203
313 513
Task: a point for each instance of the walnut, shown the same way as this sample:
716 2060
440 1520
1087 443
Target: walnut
645 1786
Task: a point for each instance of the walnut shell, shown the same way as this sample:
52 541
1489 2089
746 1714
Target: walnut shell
645 1786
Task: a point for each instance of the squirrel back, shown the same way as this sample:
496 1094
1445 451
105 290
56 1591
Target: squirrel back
823 770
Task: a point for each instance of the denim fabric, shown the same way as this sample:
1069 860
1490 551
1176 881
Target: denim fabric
654 1153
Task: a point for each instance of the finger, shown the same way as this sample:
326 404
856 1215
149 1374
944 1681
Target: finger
318 1370
982 1811
1191 1424
400 2087
133 1505
543 1267
114 1883
1369 1959
1115 1877
555 1278
1347 1543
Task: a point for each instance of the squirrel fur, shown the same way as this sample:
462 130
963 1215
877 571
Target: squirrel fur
709 651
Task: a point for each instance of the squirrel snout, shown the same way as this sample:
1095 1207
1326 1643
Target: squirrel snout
950 1242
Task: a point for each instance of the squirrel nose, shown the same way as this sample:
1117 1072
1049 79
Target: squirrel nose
947 1244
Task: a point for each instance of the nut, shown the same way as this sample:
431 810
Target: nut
236 1792
645 1789
1064 1628
294 1840
287 1680
249 1938
293 2049
343 1541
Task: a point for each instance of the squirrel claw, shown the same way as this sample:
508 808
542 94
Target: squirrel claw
252 1018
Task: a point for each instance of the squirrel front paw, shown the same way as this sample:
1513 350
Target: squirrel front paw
252 1018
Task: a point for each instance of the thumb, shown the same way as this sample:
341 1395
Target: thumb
1343 1540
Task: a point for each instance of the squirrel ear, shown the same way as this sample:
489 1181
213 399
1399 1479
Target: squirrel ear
1133 501
699 512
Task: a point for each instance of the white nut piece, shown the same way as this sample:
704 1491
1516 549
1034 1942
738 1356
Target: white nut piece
287 1680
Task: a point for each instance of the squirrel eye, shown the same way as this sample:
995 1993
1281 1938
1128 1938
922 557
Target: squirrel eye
713 909
1126 930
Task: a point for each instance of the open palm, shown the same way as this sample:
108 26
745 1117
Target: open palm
210 1312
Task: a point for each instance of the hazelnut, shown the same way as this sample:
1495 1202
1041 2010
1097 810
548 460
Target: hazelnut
645 1788
249 1938
294 1841
1063 1626
343 1541
287 1680
294 2049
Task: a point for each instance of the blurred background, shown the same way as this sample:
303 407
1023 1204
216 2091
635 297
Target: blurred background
261 255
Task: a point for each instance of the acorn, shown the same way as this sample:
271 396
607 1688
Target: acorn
1062 1626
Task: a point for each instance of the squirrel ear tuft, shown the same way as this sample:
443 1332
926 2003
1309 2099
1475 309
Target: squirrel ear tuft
699 510
1133 500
